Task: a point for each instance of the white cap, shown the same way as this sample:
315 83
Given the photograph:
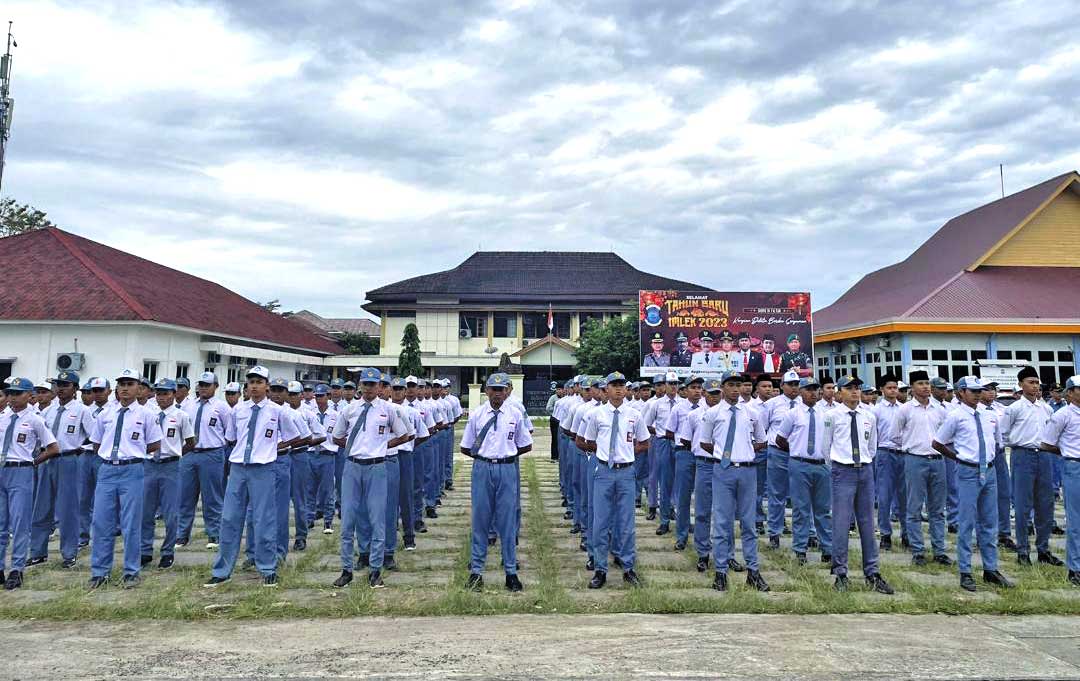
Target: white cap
233 387
902 386
44 384
129 374
98 382
791 376
295 387
671 377
207 377
412 379
259 370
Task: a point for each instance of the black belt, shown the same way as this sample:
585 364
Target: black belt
205 449
298 450
120 462
167 459
706 459
853 465
683 449
18 464
284 452
1027 449
989 464
932 457
497 461
367 462
817 462
617 466
327 452
739 464
71 452
894 450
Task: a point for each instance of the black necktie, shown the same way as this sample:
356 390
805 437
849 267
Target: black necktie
855 439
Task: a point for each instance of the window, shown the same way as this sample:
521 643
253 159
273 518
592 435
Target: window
181 370
978 354
149 371
235 375
1004 354
475 323
1046 355
1024 355
401 314
958 355
854 359
919 355
939 355
505 325
959 371
534 324
1065 356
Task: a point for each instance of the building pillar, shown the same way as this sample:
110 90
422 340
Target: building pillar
862 361
905 354
1076 354
991 346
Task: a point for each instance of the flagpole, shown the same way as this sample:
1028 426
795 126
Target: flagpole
551 332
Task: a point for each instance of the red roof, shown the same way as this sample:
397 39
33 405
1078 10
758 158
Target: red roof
93 282
932 283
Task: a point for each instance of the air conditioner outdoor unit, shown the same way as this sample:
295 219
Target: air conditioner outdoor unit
465 333
884 342
70 361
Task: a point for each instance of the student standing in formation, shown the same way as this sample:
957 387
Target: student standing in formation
57 495
393 477
161 481
22 434
1032 468
558 413
1061 436
366 429
772 412
300 464
258 430
851 441
89 464
690 432
732 434
494 438
656 416
940 394
889 461
924 468
684 460
415 401
279 388
614 433
801 434
124 436
970 435
414 418
762 393
202 470
989 401
322 460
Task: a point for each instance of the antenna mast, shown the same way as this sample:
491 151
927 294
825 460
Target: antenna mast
7 104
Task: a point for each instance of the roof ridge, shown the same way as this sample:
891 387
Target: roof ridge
64 239
1013 195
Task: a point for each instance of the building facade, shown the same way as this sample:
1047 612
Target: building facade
1001 282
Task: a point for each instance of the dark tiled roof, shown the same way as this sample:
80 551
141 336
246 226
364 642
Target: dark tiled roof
900 290
332 325
94 282
532 275
1046 293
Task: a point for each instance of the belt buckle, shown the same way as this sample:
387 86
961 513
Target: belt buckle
857 464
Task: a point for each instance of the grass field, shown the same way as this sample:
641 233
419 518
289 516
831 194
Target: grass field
431 580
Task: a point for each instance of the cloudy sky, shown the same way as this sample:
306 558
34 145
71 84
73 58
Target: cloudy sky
310 151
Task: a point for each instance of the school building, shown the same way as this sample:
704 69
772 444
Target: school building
71 303
999 282
497 302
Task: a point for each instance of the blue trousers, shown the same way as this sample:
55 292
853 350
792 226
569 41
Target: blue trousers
449 454
761 465
926 484
573 472
653 489
952 496
419 456
322 475
299 484
684 488
89 463
811 501
405 495
584 494
641 477
339 473
778 489
1032 490
251 485
393 491
1004 492
977 513
613 515
703 506
201 473
665 468
853 495
431 457
1070 486
733 492
118 502
16 512
561 439
161 486
363 513
282 495
57 497
495 489
891 490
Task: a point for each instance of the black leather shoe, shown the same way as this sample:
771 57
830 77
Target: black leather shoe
576 529
299 545
812 543
363 560
735 566
1006 542
421 527
211 583
662 530
826 558
40 560
1023 559
145 560
631 578
841 583
1057 529
904 543
1074 578
568 515
754 579
13 581
344 580
953 528
967 582
491 541
97 582
703 564
513 584
475 583
1048 558
651 515
374 579
774 541
69 564
995 577
389 563
430 512
759 527
719 582
616 561
165 563
942 559
918 560
878 584
581 546
590 565
598 580
800 558
886 542
680 546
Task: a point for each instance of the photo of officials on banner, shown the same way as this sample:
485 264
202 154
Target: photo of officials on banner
708 333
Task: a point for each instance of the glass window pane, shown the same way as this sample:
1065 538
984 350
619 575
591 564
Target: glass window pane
978 354
942 355
1065 356
1024 355
1004 354
959 355
919 355
1046 355
505 325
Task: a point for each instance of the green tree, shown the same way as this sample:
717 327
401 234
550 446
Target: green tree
17 219
271 305
409 359
359 344
610 346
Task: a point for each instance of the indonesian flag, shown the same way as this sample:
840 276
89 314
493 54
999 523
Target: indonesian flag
551 319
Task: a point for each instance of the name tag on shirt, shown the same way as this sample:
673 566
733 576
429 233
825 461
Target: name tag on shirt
171 432
71 430
213 421
135 435
382 429
269 432
20 438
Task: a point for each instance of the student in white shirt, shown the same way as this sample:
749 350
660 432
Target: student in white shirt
801 434
689 435
1061 436
322 458
161 480
889 464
